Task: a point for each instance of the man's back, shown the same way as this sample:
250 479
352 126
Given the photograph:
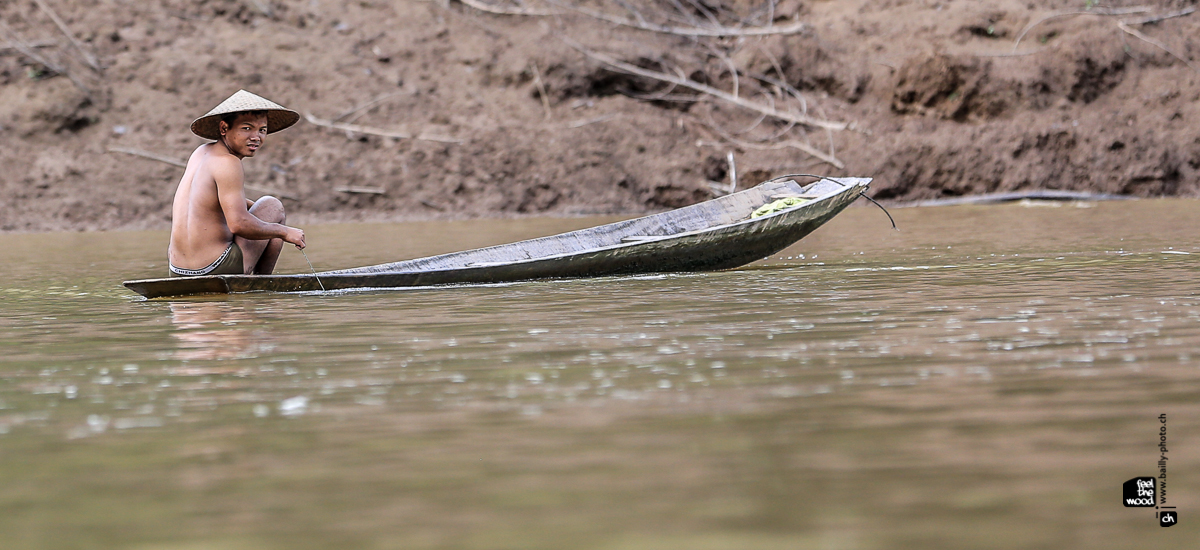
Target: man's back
199 232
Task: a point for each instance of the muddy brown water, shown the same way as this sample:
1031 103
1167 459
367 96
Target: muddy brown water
986 378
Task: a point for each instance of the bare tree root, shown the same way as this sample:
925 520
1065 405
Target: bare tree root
708 90
356 129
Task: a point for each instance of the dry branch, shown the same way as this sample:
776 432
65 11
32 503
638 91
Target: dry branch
732 172
500 10
362 190
584 122
87 56
355 128
1156 18
1116 11
709 90
776 145
28 50
148 155
433 205
715 31
367 105
541 88
790 144
36 44
1138 34
181 164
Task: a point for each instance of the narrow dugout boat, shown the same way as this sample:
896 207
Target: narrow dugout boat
712 235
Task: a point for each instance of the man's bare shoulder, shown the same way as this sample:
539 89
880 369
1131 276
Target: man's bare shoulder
224 168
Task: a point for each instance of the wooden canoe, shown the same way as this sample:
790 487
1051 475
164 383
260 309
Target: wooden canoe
712 235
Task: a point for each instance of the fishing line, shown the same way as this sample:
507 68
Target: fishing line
319 277
889 214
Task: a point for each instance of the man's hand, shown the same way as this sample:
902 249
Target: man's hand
294 236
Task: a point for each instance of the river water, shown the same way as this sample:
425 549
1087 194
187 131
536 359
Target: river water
987 377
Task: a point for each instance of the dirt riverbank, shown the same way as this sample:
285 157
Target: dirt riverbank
514 120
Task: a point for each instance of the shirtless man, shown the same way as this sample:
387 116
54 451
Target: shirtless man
215 229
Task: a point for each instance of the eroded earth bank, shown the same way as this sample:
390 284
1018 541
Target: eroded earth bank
513 109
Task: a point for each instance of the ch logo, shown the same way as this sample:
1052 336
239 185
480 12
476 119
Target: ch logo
1167 519
1139 492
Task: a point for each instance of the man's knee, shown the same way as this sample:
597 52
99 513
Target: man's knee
269 209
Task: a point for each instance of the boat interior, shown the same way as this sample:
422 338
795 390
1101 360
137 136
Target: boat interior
707 215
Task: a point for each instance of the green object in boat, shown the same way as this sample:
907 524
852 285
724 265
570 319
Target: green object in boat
777 206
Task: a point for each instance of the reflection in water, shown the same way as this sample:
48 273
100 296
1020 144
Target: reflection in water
215 330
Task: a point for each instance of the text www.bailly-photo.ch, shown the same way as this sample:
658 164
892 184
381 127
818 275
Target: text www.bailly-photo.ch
1143 492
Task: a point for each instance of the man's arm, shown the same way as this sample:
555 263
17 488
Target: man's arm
232 195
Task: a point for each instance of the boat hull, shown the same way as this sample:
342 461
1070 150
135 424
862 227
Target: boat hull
724 246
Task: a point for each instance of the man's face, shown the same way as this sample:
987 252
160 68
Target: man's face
245 135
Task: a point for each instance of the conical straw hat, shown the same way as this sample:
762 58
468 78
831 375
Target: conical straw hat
278 117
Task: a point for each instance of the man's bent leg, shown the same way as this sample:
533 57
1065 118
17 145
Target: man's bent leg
259 257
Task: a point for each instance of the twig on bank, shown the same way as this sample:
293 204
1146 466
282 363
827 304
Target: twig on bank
705 89
776 145
262 7
715 31
35 44
367 105
792 144
732 173
637 15
433 205
1116 11
1163 17
87 56
733 71
792 91
718 189
181 164
541 88
355 128
272 192
28 50
148 155
14 41
1010 54
362 190
1138 34
584 122
501 10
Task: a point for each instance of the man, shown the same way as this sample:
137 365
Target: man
215 230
